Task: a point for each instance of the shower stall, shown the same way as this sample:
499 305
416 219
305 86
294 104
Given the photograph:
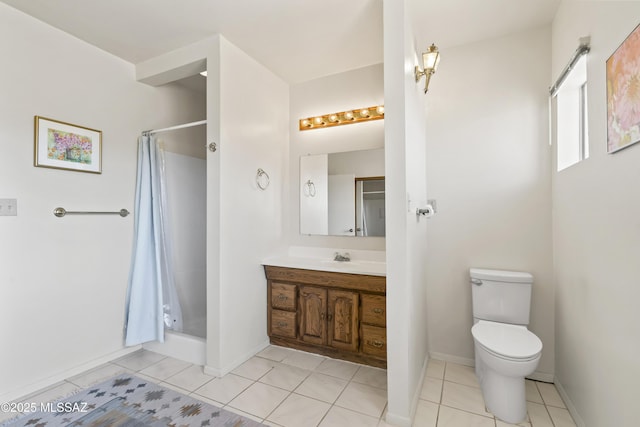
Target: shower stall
185 176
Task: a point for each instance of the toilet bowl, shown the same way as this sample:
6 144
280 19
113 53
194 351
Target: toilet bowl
505 354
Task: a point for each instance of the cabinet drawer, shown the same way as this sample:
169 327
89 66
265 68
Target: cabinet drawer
374 341
283 296
374 309
283 323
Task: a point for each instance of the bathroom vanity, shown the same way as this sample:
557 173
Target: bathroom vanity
333 313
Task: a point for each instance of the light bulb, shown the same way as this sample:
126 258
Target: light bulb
333 118
348 115
306 123
380 109
318 121
364 112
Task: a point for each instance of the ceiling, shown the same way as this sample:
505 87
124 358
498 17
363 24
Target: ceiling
297 40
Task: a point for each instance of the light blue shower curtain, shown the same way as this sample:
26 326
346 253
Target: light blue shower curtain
152 301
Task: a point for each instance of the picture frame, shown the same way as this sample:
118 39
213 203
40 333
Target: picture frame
61 145
623 110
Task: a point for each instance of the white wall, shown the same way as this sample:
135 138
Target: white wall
488 167
596 226
186 179
253 107
406 239
64 279
358 88
188 141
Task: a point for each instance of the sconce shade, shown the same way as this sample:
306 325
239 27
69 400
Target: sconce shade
431 58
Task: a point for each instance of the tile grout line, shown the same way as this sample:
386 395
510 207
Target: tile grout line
278 405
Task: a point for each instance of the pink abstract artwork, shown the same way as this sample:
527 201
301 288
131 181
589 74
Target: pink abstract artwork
623 94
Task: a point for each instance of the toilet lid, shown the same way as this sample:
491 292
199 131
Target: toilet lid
511 341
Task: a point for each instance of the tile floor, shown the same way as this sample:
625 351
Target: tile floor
283 387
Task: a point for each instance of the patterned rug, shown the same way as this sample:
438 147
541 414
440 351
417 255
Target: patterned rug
127 401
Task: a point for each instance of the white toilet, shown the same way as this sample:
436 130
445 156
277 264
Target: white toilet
506 351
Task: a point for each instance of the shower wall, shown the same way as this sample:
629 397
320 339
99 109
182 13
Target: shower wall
186 197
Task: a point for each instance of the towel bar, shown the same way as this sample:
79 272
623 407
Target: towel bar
60 212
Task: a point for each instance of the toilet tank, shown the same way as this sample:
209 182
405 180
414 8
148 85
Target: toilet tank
501 296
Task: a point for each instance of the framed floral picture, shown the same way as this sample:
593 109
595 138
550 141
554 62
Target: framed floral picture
62 145
623 94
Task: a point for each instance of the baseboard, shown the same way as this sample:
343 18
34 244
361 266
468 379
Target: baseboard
453 359
541 376
536 376
569 404
400 421
62 375
221 372
397 420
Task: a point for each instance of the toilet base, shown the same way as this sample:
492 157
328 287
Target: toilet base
504 396
503 384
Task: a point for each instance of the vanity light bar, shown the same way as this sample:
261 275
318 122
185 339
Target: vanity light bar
342 118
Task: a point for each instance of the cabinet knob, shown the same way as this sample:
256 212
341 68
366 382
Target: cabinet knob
282 324
282 297
377 344
378 310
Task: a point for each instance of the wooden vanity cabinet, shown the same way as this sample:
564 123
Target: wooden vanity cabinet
335 314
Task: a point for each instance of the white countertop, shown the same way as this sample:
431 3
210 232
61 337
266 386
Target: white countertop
371 268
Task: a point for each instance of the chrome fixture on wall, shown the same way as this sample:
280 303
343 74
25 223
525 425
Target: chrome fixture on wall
262 179
60 212
430 61
309 189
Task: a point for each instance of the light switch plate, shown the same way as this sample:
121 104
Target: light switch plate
8 207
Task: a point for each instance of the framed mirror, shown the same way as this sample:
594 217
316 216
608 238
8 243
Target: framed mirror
342 194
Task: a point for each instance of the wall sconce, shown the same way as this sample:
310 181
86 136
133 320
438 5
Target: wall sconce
430 61
342 118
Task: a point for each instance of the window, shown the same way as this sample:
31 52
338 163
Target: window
572 138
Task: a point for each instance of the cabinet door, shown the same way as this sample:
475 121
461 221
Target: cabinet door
313 310
343 320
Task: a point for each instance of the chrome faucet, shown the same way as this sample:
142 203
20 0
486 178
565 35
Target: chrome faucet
345 257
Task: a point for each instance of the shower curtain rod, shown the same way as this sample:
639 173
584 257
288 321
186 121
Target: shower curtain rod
186 125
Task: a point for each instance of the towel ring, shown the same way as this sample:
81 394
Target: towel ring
309 189
262 179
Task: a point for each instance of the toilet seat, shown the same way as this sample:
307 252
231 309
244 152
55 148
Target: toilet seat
511 342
